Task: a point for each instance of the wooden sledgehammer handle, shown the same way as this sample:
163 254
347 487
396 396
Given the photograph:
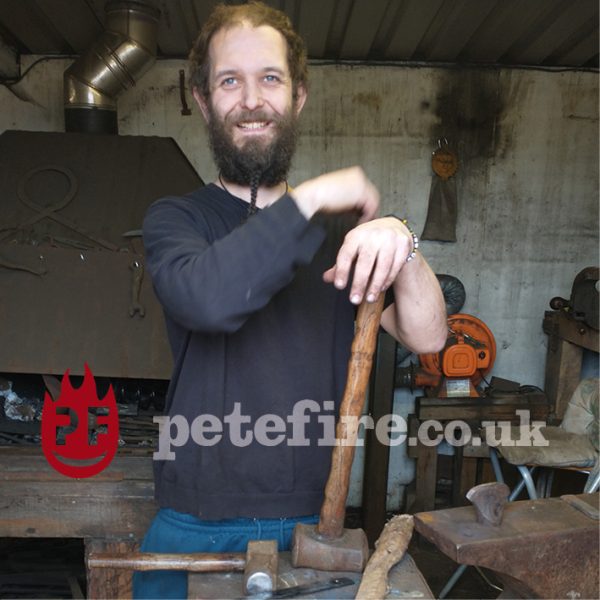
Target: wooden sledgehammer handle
333 510
150 561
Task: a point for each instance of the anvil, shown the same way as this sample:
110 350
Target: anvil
544 548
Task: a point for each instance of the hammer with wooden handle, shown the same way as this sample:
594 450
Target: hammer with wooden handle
328 546
259 563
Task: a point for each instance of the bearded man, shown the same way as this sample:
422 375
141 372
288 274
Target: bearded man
259 284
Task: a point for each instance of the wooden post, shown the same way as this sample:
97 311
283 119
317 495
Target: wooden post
109 583
377 455
566 340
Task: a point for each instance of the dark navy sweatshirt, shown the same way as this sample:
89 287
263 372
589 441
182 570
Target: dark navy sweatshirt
254 331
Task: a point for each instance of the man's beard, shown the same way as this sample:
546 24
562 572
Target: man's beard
268 163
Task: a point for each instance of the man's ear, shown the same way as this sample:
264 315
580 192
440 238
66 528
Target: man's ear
300 98
202 104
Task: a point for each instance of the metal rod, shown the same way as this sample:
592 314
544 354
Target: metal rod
452 581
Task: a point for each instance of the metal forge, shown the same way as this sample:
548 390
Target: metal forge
74 291
72 281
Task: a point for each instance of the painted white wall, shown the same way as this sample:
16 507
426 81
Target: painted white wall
527 185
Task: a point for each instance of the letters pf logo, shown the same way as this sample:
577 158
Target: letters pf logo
76 457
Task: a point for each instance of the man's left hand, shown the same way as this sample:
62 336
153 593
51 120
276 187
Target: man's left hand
378 250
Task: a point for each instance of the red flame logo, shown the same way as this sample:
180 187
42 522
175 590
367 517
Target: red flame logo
76 447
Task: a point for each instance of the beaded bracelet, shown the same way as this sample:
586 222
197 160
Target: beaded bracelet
413 235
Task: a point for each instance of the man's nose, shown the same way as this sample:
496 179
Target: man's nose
252 96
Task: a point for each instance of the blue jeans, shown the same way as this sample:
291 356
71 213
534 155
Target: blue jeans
172 531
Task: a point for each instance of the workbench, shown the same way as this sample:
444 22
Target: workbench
473 411
110 511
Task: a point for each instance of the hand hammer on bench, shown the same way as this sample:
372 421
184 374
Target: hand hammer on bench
259 563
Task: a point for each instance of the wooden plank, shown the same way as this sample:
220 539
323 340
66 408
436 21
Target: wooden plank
109 583
563 372
413 428
480 451
29 464
566 338
381 402
77 508
457 474
426 478
559 325
480 409
534 398
466 480
483 413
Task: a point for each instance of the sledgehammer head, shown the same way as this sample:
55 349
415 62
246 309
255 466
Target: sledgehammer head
349 552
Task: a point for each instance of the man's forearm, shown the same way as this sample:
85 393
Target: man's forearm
417 319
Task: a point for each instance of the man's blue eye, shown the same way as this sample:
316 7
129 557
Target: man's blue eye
229 81
272 78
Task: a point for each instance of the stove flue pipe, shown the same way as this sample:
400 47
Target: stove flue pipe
116 60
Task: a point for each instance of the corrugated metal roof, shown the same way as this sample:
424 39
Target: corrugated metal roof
551 33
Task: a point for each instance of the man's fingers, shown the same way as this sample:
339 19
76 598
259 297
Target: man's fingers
362 273
329 275
397 264
343 264
381 275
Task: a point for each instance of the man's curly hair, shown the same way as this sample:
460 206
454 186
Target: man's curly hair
256 14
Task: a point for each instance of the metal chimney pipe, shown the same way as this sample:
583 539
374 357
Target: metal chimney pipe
119 57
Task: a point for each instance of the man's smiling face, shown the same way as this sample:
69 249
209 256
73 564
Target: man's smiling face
251 115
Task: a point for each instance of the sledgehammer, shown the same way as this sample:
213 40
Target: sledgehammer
328 546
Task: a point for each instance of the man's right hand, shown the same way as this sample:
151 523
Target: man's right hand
338 191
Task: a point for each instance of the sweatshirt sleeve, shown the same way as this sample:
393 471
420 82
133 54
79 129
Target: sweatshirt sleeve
215 287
